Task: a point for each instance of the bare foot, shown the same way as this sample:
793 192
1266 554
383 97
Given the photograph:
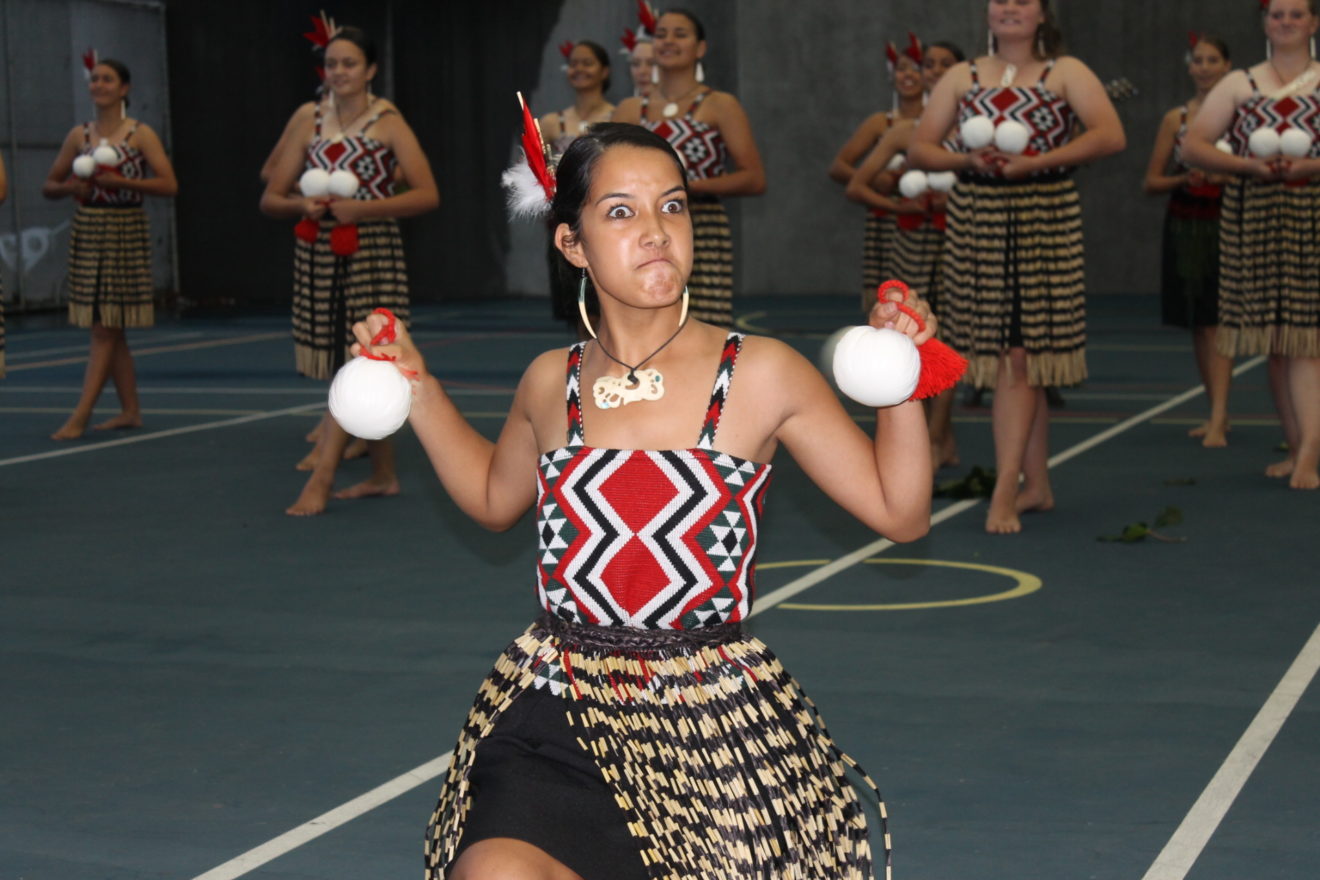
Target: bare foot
119 422
370 489
1214 438
944 452
1281 468
313 498
356 448
1200 430
1002 517
72 430
1035 499
314 435
309 460
1305 479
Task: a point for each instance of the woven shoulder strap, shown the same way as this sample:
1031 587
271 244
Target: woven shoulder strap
720 393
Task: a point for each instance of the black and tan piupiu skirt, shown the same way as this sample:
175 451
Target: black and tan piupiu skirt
655 755
917 254
110 267
331 293
1189 276
877 241
1014 278
710 286
1269 269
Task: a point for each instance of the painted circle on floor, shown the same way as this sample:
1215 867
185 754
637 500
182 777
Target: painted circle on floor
1024 584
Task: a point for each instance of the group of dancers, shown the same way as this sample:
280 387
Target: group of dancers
634 730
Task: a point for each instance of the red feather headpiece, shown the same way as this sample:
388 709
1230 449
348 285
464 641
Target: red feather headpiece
1264 5
531 183
646 16
566 49
323 30
629 40
89 60
913 49
891 56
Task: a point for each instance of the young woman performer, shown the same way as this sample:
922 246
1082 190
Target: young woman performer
332 290
710 130
1189 289
1269 269
918 241
905 69
641 63
589 76
1013 265
634 731
110 249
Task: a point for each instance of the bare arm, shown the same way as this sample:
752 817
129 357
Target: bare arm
867 135
748 176
162 182
290 129
1104 131
490 482
60 182
927 150
552 126
279 199
884 481
1210 124
629 110
1158 180
4 181
862 187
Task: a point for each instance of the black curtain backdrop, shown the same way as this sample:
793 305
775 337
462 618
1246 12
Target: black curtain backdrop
239 69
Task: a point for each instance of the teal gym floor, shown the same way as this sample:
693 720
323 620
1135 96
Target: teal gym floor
195 685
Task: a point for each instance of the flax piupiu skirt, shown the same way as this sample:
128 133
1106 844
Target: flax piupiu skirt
877 241
710 286
1189 288
634 754
331 293
1014 278
110 267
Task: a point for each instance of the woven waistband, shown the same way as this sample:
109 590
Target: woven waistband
631 638
1044 177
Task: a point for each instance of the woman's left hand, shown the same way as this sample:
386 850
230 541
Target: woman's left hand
346 210
1299 169
109 180
885 313
1018 166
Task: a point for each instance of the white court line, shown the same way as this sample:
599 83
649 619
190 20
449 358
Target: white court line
27 354
296 837
1187 843
159 349
172 432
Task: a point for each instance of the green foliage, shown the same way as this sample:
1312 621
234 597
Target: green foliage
979 483
1134 533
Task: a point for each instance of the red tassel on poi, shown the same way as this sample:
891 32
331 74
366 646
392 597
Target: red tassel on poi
941 366
306 230
344 239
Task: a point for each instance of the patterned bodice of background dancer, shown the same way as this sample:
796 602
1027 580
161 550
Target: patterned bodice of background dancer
1258 111
699 144
1048 117
644 538
368 158
131 164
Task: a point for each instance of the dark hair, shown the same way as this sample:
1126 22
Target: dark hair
358 37
696 22
1217 42
952 48
120 69
602 56
573 185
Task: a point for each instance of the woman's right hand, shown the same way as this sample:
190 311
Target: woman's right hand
987 161
403 352
80 188
314 209
1266 170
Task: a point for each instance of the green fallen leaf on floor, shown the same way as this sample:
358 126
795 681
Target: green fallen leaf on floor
1134 533
979 483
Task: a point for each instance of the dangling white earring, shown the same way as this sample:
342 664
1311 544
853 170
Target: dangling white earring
1312 45
701 73
655 74
123 109
582 305
682 316
1269 50
1040 44
989 43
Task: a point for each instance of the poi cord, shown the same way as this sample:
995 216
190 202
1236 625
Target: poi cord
941 366
387 335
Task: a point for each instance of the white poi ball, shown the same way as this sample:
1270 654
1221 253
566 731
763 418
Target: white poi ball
876 366
896 162
977 132
369 398
105 155
1223 146
942 181
84 166
1295 142
314 183
343 183
913 183
1011 136
1264 142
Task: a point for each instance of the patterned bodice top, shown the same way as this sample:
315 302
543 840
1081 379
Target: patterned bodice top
653 539
1180 166
131 164
1294 111
699 144
1048 117
368 158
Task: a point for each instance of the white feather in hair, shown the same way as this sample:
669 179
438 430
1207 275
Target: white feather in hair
526 196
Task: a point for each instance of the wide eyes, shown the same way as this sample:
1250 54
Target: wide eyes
624 212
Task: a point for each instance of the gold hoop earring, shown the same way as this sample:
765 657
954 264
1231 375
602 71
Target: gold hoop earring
582 304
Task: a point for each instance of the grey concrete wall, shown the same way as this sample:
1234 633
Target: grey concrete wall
808 72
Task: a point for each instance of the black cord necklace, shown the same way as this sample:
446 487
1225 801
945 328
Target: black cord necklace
632 370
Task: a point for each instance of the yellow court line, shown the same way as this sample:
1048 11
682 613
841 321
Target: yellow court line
1026 584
